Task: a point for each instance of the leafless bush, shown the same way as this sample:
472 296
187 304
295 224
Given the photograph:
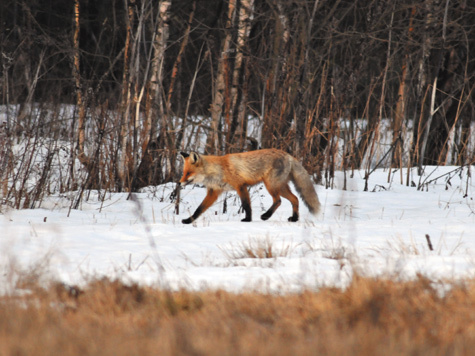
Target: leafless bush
352 85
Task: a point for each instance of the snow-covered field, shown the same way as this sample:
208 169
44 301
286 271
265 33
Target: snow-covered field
381 232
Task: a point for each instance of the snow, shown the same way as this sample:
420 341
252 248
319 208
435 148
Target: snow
380 232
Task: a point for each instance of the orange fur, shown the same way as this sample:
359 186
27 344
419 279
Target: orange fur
238 171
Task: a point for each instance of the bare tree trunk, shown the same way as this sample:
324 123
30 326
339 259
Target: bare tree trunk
178 59
239 90
275 103
175 69
165 140
79 94
303 112
124 142
428 124
445 66
213 144
158 153
401 103
156 90
402 100
160 45
138 96
422 79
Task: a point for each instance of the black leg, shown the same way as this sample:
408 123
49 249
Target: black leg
271 210
247 209
187 221
246 202
294 217
210 198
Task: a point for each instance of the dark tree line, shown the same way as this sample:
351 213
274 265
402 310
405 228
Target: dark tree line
147 77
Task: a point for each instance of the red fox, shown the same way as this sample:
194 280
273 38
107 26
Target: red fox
237 171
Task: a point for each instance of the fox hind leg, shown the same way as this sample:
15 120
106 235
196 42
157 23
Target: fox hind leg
276 201
287 194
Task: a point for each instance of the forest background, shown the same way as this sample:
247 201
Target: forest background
120 87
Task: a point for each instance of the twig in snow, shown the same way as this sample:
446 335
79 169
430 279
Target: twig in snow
429 243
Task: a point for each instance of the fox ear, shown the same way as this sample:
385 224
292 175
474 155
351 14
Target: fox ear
184 155
194 157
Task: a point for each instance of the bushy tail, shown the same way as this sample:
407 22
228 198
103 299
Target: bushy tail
304 186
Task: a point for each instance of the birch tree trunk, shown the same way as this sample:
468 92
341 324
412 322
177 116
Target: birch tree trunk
165 140
155 93
238 130
81 136
160 45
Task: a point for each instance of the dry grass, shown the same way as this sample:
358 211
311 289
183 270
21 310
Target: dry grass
256 247
370 317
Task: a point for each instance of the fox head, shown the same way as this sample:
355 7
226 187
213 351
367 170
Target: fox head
191 168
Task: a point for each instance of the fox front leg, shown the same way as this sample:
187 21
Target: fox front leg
211 196
246 202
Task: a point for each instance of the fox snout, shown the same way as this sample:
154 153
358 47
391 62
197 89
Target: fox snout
186 179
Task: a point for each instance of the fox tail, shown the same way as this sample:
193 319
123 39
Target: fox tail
304 187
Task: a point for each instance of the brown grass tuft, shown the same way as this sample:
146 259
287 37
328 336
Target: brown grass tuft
371 316
260 248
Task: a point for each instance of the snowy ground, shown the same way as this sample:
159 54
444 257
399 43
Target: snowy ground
381 232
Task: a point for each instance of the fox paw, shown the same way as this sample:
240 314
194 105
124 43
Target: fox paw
294 218
265 217
246 219
187 221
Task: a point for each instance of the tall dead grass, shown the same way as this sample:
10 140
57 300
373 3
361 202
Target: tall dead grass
370 317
